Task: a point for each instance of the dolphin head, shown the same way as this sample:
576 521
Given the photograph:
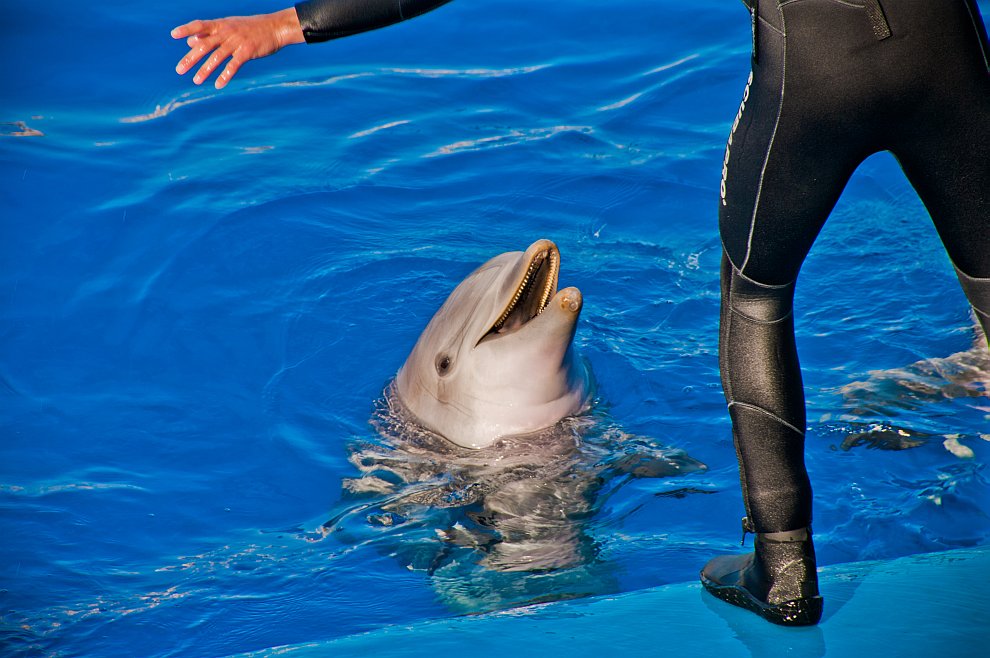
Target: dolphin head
497 359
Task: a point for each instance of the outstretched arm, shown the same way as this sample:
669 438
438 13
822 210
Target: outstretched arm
243 38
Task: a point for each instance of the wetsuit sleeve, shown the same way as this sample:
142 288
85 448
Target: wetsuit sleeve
322 20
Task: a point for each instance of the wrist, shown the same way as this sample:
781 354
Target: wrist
287 29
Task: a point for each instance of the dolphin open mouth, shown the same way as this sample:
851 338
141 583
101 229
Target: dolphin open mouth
534 290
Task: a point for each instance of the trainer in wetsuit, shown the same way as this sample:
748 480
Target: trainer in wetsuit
833 82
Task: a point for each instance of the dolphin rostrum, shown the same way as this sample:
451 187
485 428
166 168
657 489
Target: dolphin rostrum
496 359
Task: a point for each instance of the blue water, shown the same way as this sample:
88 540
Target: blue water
204 294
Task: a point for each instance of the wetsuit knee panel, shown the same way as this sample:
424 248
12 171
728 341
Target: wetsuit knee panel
758 302
978 293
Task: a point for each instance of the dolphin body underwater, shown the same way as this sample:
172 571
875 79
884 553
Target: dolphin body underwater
497 359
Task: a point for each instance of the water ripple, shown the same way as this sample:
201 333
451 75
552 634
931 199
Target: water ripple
384 126
18 129
196 96
468 73
511 138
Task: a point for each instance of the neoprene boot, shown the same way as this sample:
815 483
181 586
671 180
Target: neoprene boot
778 581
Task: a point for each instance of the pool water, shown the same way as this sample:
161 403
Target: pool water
204 295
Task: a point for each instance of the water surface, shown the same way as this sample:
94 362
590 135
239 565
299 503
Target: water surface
203 296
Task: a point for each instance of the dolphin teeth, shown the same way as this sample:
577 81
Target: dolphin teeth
552 260
551 283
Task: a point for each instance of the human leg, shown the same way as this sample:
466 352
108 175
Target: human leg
879 89
791 151
762 383
943 145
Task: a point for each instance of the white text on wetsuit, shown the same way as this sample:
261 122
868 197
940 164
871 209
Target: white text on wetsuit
735 124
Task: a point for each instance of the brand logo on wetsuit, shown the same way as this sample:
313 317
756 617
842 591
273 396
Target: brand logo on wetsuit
735 124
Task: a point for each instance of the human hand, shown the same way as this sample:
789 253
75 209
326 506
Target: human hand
241 38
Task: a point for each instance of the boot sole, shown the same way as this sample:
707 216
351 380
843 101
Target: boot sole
799 612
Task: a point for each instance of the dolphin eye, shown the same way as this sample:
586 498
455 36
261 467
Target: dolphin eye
443 364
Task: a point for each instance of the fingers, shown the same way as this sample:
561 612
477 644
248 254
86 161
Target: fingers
195 33
233 66
191 58
190 29
240 38
203 37
211 64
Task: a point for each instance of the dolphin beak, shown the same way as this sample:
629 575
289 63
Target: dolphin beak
530 288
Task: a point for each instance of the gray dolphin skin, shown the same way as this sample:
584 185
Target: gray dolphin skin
497 359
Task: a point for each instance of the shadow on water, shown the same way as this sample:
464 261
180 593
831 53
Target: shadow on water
510 524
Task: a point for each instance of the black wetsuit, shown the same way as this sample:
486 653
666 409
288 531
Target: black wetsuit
833 82
322 20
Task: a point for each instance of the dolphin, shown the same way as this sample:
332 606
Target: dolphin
497 359
483 455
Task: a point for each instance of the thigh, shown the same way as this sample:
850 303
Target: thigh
952 177
790 153
944 147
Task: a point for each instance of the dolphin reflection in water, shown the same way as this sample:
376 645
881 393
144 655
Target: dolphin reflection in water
485 454
886 394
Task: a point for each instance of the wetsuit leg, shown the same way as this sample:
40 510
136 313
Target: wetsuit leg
789 156
947 160
833 82
806 123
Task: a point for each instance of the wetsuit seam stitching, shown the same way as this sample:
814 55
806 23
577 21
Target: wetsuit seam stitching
770 25
979 36
728 336
768 413
773 136
770 286
739 272
757 320
971 278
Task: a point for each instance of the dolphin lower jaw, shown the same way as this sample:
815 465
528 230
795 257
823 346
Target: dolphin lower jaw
525 380
528 401
545 339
